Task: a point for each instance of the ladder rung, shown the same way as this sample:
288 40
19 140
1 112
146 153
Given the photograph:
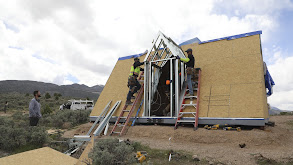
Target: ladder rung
120 125
187 112
117 132
186 121
189 104
195 89
126 110
190 96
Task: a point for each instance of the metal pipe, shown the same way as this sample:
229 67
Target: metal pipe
166 59
171 87
182 75
146 73
150 88
176 88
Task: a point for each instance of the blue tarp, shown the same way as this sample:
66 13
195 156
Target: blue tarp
269 83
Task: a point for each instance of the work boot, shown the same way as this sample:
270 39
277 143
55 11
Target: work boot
128 102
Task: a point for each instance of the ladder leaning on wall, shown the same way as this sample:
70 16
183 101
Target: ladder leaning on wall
190 103
123 126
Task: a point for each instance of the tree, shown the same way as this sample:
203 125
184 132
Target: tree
47 95
56 98
26 94
87 98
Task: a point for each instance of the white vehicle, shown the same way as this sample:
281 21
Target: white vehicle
78 105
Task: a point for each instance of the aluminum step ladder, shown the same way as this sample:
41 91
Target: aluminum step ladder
120 128
195 106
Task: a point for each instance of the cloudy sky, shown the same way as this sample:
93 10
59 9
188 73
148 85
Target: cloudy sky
79 41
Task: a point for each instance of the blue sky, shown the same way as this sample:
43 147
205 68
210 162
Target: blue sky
75 41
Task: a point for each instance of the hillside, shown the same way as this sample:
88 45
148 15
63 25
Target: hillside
74 90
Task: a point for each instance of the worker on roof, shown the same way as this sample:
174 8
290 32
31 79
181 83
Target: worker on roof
189 69
133 84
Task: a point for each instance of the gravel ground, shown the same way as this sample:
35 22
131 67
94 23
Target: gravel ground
215 145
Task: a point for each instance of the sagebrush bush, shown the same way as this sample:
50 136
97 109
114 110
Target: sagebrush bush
111 152
65 116
17 134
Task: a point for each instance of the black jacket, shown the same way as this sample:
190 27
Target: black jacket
137 64
190 63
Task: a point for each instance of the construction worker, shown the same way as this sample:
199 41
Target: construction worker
133 84
189 69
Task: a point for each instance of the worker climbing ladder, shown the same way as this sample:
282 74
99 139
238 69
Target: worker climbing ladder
125 110
189 101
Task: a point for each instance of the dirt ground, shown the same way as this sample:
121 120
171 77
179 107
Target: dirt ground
80 130
216 145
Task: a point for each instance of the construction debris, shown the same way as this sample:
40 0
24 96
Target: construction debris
214 127
238 129
141 156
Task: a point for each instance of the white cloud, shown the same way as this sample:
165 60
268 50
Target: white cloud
85 38
281 71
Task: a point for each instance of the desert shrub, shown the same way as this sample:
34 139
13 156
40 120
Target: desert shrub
17 115
47 95
72 118
47 110
38 135
18 134
56 98
111 152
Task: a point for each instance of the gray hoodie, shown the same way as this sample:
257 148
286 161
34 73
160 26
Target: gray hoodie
35 108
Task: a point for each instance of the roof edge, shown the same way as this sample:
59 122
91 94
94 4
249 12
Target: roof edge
195 40
233 37
132 56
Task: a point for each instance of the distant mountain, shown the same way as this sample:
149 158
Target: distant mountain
74 90
276 111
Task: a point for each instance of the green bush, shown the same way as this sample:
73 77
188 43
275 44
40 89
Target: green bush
16 135
58 119
111 152
17 116
47 110
47 95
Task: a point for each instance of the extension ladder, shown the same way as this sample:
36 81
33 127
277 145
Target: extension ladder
129 111
195 106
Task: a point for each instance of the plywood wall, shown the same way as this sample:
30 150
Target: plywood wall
232 82
116 87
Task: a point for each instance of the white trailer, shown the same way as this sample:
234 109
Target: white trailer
78 105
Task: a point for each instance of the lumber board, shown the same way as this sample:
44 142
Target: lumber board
44 156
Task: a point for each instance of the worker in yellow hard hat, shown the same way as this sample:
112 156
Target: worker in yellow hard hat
133 84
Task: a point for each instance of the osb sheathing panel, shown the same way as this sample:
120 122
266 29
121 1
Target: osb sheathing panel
116 88
229 68
84 156
42 156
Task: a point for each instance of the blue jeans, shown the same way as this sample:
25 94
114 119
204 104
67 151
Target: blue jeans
189 83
